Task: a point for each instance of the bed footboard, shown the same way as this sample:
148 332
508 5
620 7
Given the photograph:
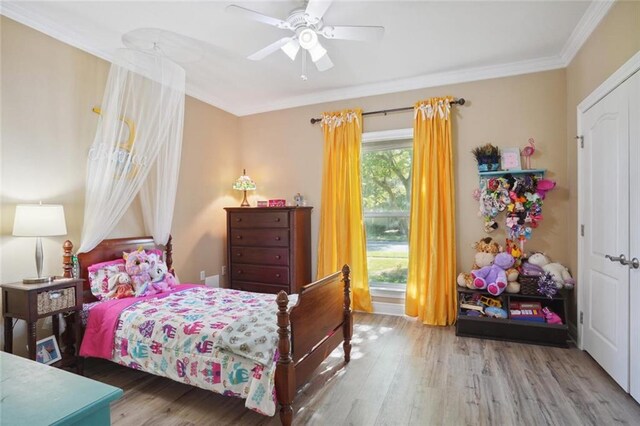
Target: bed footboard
309 332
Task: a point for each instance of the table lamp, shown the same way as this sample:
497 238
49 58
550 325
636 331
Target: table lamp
244 183
39 220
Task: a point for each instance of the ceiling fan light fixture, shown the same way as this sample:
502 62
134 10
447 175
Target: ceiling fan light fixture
317 52
308 39
291 49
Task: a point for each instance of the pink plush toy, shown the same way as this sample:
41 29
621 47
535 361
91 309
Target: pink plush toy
544 186
551 317
137 266
161 278
494 277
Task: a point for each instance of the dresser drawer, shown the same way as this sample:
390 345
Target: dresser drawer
254 219
260 237
261 256
259 288
261 274
55 300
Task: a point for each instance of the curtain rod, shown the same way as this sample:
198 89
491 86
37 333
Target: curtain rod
460 101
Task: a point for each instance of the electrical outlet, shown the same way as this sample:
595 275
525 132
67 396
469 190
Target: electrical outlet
202 276
224 270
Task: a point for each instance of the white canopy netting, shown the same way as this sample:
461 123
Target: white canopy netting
137 146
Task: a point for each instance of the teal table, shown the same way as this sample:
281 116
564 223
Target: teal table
36 394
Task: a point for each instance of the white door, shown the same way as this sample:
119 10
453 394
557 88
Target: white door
634 251
605 128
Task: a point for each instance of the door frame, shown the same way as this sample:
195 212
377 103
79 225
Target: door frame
616 79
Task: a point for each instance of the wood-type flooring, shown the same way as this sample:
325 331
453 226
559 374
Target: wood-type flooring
402 373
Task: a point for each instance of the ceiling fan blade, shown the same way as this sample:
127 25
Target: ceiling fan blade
324 63
262 53
315 10
353 33
291 48
251 14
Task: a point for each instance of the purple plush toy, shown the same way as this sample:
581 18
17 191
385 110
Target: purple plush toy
493 277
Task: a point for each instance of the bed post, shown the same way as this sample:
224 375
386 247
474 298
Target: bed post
168 250
348 317
67 263
285 371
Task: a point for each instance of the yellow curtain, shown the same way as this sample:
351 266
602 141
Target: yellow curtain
431 281
342 237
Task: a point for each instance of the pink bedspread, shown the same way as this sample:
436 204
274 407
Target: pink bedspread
99 335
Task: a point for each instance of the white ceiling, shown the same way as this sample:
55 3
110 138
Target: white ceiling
426 43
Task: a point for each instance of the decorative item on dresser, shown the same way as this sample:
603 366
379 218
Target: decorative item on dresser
269 249
244 183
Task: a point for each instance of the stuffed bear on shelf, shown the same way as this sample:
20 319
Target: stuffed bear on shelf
486 251
493 278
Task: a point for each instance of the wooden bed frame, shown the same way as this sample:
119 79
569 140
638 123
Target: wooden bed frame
308 332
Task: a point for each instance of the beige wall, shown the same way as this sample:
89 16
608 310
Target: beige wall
283 152
614 41
48 90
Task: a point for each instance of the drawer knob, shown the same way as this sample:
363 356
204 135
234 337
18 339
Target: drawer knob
277 256
238 219
277 275
277 219
277 238
238 254
239 271
238 237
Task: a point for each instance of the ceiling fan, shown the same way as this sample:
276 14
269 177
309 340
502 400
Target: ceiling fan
307 25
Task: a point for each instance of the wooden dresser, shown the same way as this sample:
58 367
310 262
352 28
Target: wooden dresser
269 248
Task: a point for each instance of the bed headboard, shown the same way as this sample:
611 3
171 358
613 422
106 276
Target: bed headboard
110 250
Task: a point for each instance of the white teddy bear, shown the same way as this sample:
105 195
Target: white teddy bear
561 274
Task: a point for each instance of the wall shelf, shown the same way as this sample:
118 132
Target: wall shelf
513 172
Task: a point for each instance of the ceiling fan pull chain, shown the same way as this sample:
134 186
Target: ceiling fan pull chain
303 75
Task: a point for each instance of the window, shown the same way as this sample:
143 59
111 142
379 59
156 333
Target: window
386 198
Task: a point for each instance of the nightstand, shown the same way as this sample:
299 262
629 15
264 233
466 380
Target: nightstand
31 302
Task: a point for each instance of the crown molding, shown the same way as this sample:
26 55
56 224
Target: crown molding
413 83
15 11
596 11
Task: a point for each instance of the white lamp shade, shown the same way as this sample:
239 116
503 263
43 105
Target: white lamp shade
39 220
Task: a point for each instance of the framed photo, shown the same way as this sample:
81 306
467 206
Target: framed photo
47 350
510 159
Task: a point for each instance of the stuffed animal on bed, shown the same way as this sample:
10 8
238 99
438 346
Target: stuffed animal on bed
137 265
161 278
120 286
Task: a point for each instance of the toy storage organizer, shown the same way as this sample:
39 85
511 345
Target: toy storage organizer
523 331
517 330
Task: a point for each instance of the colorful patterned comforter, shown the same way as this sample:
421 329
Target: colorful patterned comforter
217 339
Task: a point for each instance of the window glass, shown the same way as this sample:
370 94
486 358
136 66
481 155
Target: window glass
386 189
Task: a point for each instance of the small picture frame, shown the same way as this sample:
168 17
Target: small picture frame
510 159
47 350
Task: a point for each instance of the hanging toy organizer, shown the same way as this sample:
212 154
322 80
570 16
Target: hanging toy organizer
518 193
